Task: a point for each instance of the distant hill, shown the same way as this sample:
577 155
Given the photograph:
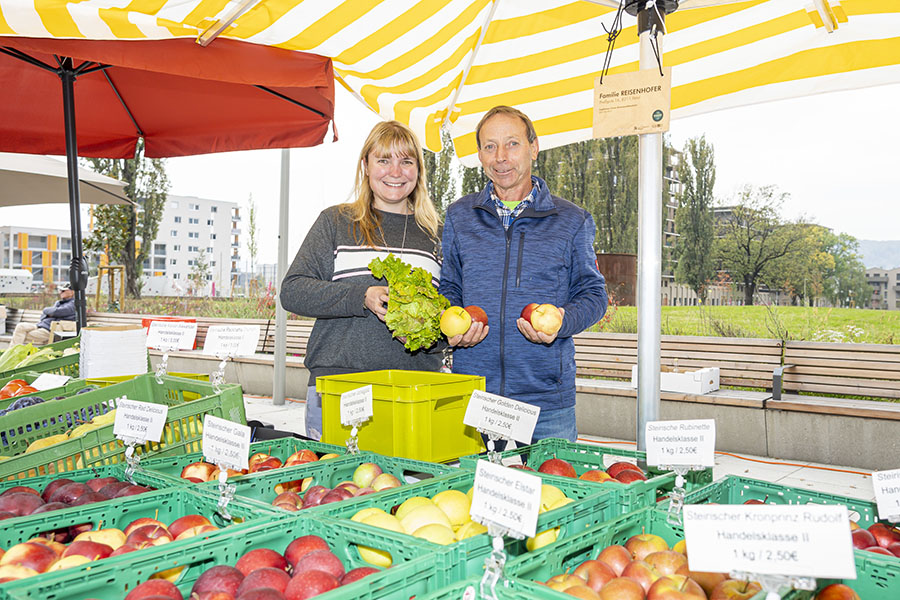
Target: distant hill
884 255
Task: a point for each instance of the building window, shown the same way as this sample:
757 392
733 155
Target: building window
209 277
209 250
176 247
209 222
212 263
178 219
194 234
213 209
193 249
194 206
176 275
212 236
174 233
173 261
159 248
193 221
191 262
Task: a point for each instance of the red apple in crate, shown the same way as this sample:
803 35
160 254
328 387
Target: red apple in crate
290 501
676 587
733 589
314 495
582 591
20 488
349 486
111 490
879 550
884 535
894 547
261 594
862 538
140 522
265 577
617 467
385 481
320 560
261 558
149 535
257 457
30 555
667 562
557 466
20 503
14 572
564 581
53 486
200 530
273 462
301 457
707 580
302 546
57 547
595 573
155 587
89 549
132 490
622 588
837 591
616 557
477 313
365 474
97 483
595 475
200 470
221 578
229 473
69 492
89 498
642 544
124 549
110 536
629 476
181 524
357 574
310 583
643 573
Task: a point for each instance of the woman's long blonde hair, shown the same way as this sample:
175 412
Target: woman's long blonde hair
386 139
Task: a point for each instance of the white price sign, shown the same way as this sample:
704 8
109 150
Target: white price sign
887 493
171 335
506 417
356 405
47 381
684 443
508 497
231 340
141 421
226 443
805 540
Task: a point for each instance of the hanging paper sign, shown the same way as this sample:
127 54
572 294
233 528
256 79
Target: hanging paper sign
231 340
47 381
508 418
632 103
141 421
803 540
356 405
681 443
508 497
171 335
226 443
887 493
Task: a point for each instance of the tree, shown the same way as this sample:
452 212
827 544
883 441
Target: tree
845 283
199 274
441 183
473 180
694 218
126 233
802 274
754 237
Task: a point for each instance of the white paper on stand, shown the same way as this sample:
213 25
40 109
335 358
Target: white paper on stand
113 351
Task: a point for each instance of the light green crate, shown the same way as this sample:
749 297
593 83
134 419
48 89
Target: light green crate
416 414
66 365
70 388
108 381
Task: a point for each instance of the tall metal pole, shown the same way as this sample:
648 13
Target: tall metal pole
78 272
280 313
649 249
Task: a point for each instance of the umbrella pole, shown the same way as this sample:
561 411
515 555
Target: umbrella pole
78 271
278 387
649 250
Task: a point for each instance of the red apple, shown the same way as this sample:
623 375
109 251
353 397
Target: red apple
194 531
314 495
53 486
273 462
622 588
477 313
257 457
595 475
154 587
265 577
733 589
564 581
642 544
320 560
14 572
148 535
526 312
385 481
837 591
895 548
261 558
111 490
220 578
201 470
301 457
288 501
707 580
349 486
20 488
862 538
30 555
357 574
336 495
672 587
365 474
582 591
20 503
557 466
187 522
140 522
884 535
596 573
124 549
89 549
261 594
88 498
97 483
309 584
132 490
302 546
69 492
628 476
879 550
667 562
616 557
617 467
643 573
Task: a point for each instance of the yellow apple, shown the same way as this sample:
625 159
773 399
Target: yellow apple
455 505
455 321
436 533
542 539
409 504
424 515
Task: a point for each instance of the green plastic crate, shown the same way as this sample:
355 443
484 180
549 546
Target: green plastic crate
69 389
508 589
82 475
66 365
466 557
188 402
414 572
416 414
584 457
877 578
108 381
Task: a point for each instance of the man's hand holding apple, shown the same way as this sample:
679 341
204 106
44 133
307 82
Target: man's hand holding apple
464 327
539 323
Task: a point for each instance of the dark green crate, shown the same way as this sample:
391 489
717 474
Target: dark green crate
584 457
508 589
414 572
877 578
66 365
70 387
282 448
466 557
189 401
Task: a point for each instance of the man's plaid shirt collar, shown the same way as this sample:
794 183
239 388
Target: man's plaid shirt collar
508 215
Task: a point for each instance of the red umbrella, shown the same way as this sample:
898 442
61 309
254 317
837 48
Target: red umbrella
181 98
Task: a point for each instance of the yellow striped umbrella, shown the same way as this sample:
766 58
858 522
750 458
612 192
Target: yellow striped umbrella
445 62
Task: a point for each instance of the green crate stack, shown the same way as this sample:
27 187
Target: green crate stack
188 402
171 466
66 365
584 457
466 557
414 572
83 475
70 388
260 487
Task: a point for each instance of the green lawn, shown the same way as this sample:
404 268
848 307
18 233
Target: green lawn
785 322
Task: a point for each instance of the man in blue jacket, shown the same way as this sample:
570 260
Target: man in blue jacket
62 310
507 246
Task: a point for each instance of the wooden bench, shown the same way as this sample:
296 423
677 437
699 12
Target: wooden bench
14 316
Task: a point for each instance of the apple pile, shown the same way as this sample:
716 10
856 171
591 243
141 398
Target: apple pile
645 568
368 478
200 471
622 471
307 568
46 554
878 538
837 591
456 320
21 500
545 318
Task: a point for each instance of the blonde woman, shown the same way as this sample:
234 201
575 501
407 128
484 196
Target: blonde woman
330 278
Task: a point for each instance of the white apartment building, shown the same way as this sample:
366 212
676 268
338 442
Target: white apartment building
190 225
885 284
45 252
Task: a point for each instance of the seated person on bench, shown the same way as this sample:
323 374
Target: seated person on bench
39 334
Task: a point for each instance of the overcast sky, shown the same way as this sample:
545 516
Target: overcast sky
835 154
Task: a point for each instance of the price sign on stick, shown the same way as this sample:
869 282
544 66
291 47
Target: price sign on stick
46 381
804 540
506 417
681 443
171 335
508 497
356 405
231 340
141 421
887 494
226 443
